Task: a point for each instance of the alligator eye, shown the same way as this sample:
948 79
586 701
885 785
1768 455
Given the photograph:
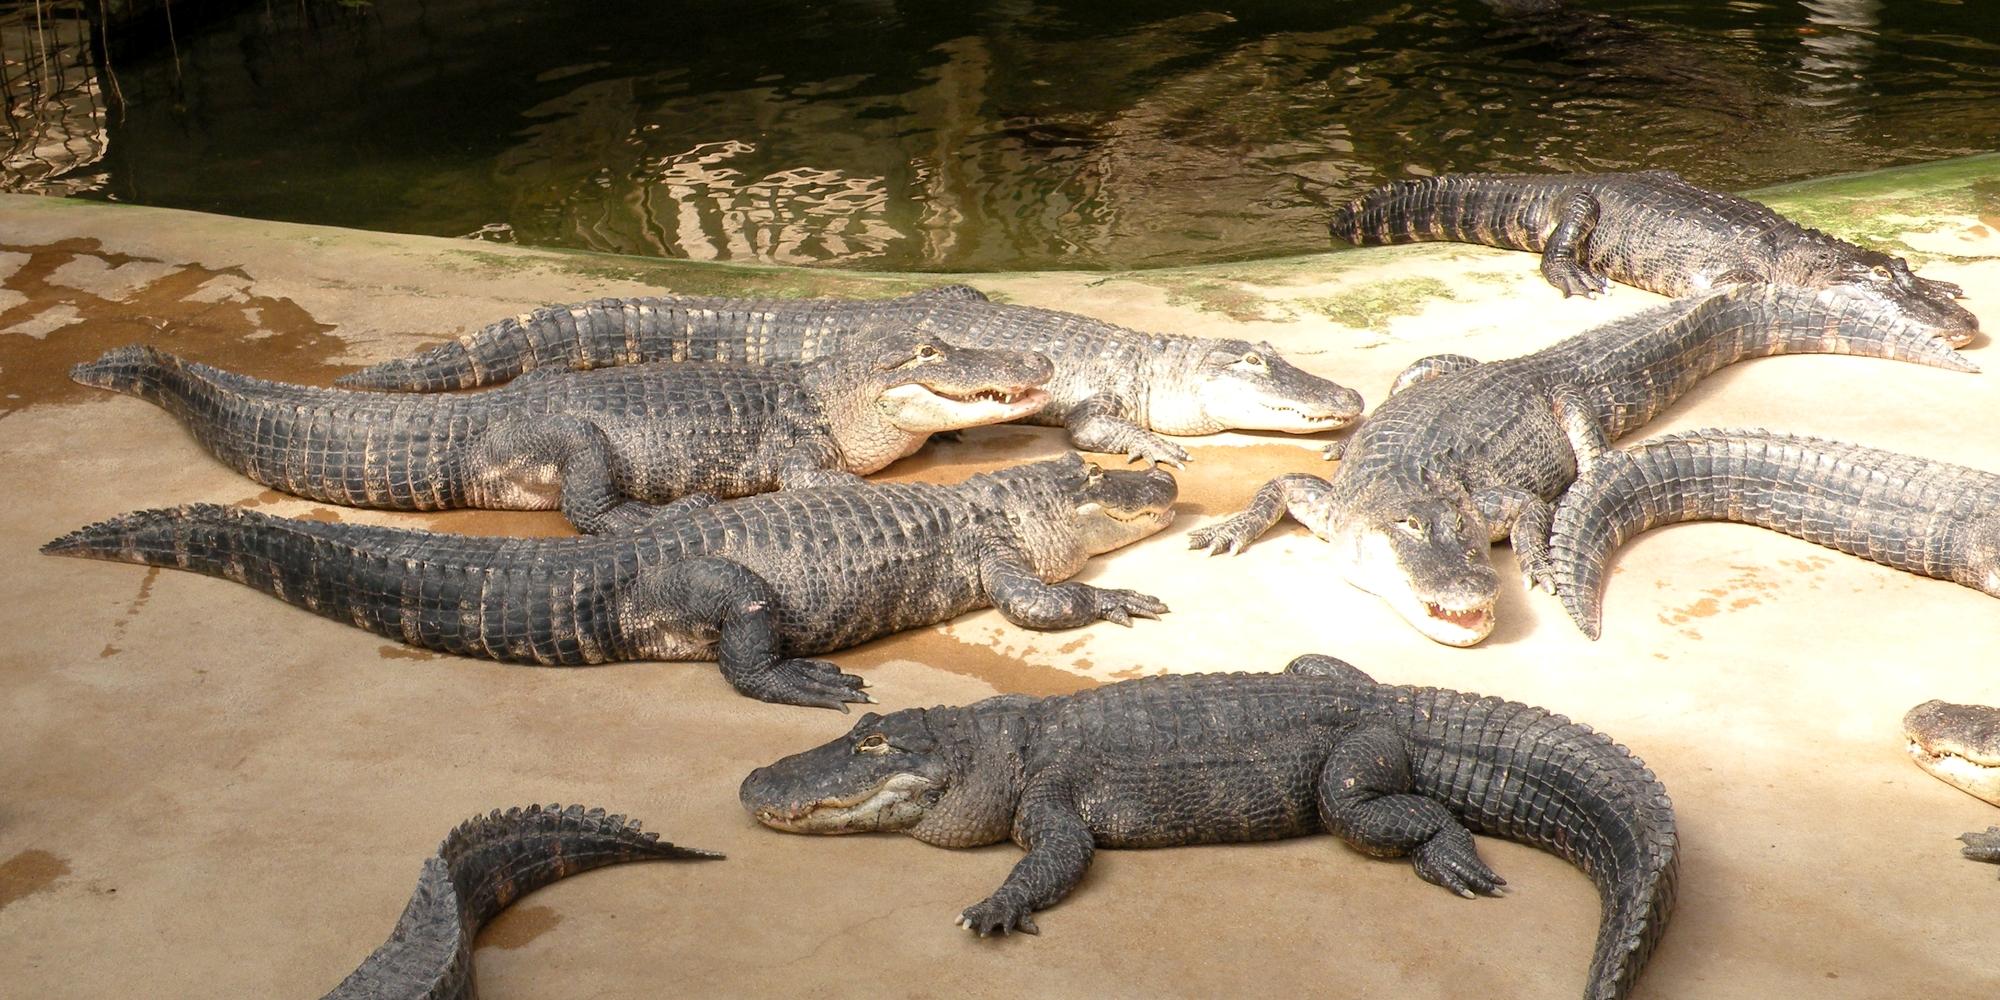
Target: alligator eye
1254 359
1882 271
927 352
1413 525
872 743
1092 472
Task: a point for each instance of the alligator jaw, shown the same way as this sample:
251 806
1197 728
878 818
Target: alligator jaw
1957 744
871 809
920 407
1454 626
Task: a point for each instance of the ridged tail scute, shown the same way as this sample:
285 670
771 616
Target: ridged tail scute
1496 210
1902 511
494 354
483 866
1536 777
138 370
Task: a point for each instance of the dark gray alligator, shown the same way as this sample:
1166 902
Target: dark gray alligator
1649 229
601 446
752 583
1113 387
1463 454
1921 516
1217 758
1960 746
480 869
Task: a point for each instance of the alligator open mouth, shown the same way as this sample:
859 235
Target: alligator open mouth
1470 618
1005 397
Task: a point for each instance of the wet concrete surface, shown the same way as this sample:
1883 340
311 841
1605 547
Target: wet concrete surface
204 791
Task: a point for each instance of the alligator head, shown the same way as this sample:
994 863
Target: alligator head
885 402
1116 507
1220 385
917 771
1958 744
1886 279
1423 548
1065 510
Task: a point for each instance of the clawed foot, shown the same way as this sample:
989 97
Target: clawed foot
811 683
1577 281
998 915
1231 536
1983 846
1156 450
1538 572
1122 606
1333 451
1450 860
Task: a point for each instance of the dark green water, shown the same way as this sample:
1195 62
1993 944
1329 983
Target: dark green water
985 136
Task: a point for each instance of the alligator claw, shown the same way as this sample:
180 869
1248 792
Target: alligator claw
1449 859
996 915
1121 606
1227 538
1983 846
810 683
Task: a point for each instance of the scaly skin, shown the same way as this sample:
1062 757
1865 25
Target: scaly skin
1958 745
1650 229
1223 758
1463 454
1930 518
481 868
1115 389
602 446
753 583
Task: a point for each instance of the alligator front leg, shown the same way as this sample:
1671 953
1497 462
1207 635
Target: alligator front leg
1026 601
807 467
1527 521
727 600
1365 799
637 516
1059 845
1294 492
1576 217
1102 424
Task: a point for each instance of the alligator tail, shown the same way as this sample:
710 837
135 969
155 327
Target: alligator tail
1538 778
541 601
1898 510
138 370
1501 210
483 866
601 333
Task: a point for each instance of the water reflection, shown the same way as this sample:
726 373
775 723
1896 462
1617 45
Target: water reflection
1010 134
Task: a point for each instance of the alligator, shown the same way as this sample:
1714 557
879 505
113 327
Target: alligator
480 869
1115 389
604 447
754 583
1960 746
1464 453
1649 229
1218 758
1908 513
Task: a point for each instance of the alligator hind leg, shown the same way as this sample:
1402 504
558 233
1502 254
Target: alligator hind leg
525 462
1983 846
702 597
1294 492
1101 424
1365 799
1576 217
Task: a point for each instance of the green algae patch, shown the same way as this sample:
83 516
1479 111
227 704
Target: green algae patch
1876 209
1229 298
1371 306
688 278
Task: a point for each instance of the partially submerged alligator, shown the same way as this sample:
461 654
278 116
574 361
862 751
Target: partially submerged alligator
753 583
1113 387
605 446
1960 746
485 864
1921 516
1650 229
1463 454
1219 758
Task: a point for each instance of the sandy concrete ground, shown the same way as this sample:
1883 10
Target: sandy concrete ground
204 791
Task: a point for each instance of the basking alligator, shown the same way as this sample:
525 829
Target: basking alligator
752 583
1648 229
1113 387
1913 514
1217 758
1463 454
602 446
1960 746
482 867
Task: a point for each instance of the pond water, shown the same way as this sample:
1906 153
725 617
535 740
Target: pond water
1005 135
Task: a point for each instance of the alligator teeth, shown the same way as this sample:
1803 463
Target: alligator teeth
1470 618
